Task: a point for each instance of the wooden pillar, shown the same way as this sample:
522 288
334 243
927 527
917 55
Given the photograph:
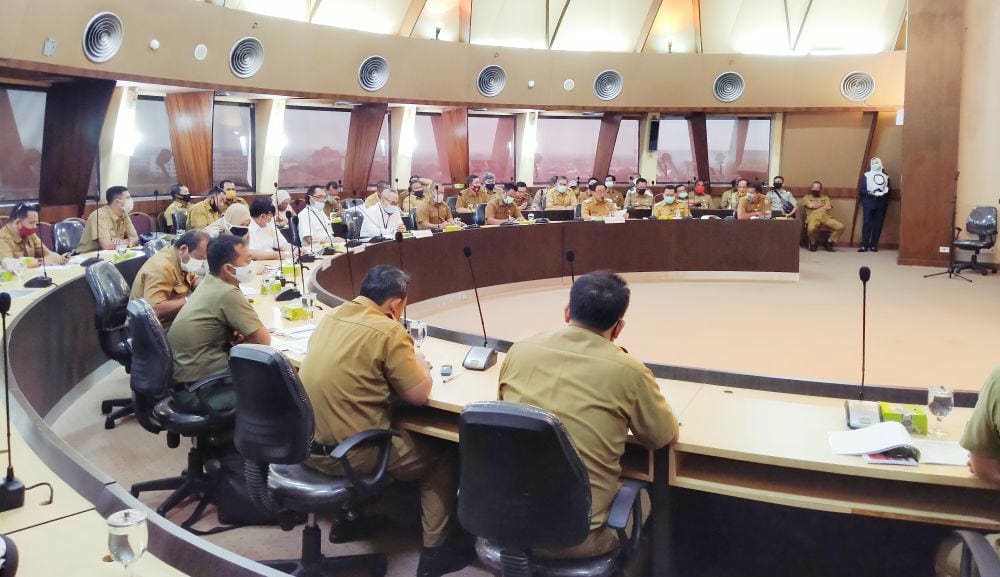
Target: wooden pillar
190 115
362 140
699 144
456 131
610 123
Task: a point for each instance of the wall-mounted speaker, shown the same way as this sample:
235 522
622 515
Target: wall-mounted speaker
246 58
373 73
654 135
857 86
608 85
102 37
728 86
491 81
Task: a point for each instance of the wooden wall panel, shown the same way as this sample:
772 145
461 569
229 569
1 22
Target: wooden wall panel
13 164
456 129
930 133
362 139
610 123
190 116
699 142
74 115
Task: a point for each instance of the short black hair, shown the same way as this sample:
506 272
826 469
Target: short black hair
382 185
222 251
191 239
261 206
521 183
612 177
115 192
777 176
739 180
599 299
758 186
312 189
333 184
470 178
21 210
383 282
817 182
215 191
641 179
510 186
222 183
669 187
175 190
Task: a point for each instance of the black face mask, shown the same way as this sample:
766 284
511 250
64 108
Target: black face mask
592 187
816 192
779 185
418 193
238 230
490 187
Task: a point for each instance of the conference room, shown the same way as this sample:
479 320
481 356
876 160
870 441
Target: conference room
499 287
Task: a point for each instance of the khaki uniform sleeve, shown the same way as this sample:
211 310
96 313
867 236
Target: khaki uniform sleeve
423 214
650 417
199 217
982 432
7 248
39 249
727 201
401 367
462 202
491 211
741 208
157 287
447 213
515 212
105 227
239 313
587 209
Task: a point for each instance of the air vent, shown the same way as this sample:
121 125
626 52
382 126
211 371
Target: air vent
491 81
103 37
608 85
857 86
246 57
374 73
728 86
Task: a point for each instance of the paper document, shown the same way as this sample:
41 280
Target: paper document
301 331
874 439
249 291
941 452
294 345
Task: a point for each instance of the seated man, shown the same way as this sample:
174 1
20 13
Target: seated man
560 196
265 242
333 206
281 201
490 184
236 221
754 205
216 317
598 205
640 197
701 197
110 223
670 207
538 199
502 208
433 213
19 237
782 199
373 198
731 198
361 361
208 210
614 193
169 277
181 203
314 225
522 198
818 209
383 219
229 188
415 193
597 390
472 196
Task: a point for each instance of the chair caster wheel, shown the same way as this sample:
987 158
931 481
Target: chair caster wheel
109 423
106 407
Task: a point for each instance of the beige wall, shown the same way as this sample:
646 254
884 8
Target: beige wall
303 59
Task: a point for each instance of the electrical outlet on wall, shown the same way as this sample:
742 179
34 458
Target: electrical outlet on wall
944 249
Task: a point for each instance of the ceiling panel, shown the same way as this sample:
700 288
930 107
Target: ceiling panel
380 16
601 25
513 23
852 26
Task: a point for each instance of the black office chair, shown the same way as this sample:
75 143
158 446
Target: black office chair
578 210
156 410
523 487
67 234
155 245
480 213
978 556
982 222
111 293
354 220
452 202
411 219
180 221
353 202
274 432
9 559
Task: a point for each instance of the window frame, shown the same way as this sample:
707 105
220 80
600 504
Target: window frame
252 152
515 141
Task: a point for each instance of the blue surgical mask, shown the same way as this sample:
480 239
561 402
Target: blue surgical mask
668 199
682 194
508 199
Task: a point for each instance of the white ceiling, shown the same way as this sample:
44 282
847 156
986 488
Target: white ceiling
780 27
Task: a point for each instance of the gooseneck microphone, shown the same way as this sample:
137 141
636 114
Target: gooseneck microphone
864 273
287 293
399 244
12 489
570 257
39 281
484 357
97 257
862 413
297 238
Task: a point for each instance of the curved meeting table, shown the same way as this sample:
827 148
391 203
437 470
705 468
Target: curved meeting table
772 448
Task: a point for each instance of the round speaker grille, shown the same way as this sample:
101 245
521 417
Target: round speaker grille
857 86
728 86
374 73
491 81
608 85
246 58
102 37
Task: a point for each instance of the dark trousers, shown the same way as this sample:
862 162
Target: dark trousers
873 211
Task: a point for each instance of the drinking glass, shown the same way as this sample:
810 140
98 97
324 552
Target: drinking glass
121 246
940 402
127 537
309 303
418 330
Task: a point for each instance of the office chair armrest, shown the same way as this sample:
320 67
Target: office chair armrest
367 484
627 504
977 552
208 383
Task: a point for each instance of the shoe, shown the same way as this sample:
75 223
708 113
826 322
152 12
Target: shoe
863 249
829 247
812 247
874 249
447 558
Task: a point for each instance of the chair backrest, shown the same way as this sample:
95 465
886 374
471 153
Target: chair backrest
111 293
352 202
142 222
274 420
45 234
578 210
982 221
161 223
180 220
522 483
155 245
353 219
411 219
67 235
152 362
480 214
452 202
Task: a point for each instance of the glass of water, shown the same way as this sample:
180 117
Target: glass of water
127 537
121 246
418 330
309 303
940 402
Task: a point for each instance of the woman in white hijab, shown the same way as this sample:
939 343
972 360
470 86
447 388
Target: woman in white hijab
281 201
874 192
235 221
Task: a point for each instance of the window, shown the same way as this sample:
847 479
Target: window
565 147
232 144
491 146
430 148
22 119
152 164
381 163
315 146
675 152
625 158
738 148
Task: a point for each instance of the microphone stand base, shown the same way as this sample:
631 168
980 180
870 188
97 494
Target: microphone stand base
307 258
90 261
39 282
11 494
480 358
288 294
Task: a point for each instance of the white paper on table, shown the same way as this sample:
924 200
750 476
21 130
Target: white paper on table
57 266
941 452
422 233
249 291
301 331
295 345
20 292
874 439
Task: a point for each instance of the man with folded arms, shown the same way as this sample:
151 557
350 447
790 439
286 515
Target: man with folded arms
596 389
598 205
560 196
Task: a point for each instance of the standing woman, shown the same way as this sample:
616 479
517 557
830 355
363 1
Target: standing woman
874 192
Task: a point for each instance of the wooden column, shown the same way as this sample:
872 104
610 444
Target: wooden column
610 123
189 115
456 130
362 139
14 165
74 115
930 133
699 144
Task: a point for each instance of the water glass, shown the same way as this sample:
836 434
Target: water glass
127 537
940 402
418 330
309 303
121 246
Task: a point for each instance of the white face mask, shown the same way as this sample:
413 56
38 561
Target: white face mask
438 198
195 266
609 183
319 204
128 206
243 274
561 187
391 209
508 199
682 194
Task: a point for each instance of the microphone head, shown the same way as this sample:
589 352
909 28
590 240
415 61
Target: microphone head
288 214
4 303
467 251
864 273
399 236
570 256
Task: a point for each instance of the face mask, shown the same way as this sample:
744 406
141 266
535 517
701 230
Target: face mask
508 199
876 165
668 199
476 187
238 230
230 194
391 209
778 185
438 198
25 232
490 187
682 194
752 195
699 189
128 206
561 188
195 266
243 274
609 183
418 193
815 192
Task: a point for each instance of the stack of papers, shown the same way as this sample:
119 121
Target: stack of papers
890 435
294 339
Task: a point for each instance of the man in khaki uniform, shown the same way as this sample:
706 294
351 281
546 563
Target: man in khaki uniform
522 198
502 208
560 196
19 237
168 278
334 206
641 197
731 198
818 209
671 207
110 223
472 196
434 212
373 198
701 198
215 317
181 203
755 204
596 390
229 188
360 360
598 205
208 210
615 194
415 193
